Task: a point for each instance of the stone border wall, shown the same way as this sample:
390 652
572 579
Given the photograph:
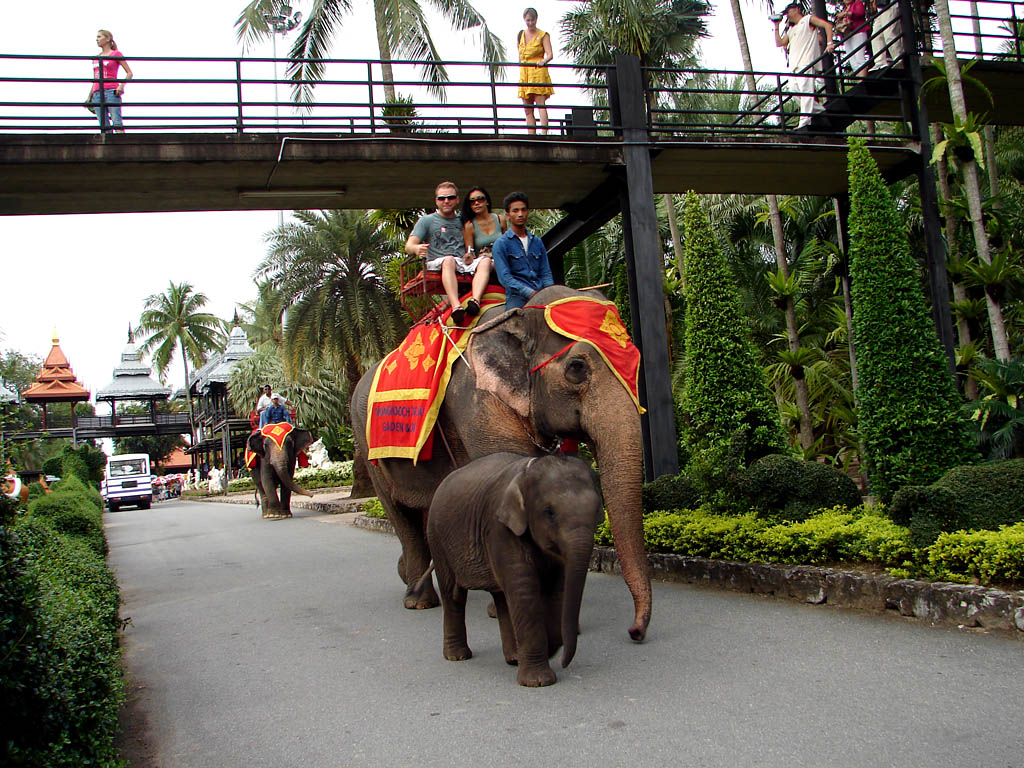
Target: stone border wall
943 603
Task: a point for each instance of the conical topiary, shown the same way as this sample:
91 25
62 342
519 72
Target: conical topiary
909 410
729 415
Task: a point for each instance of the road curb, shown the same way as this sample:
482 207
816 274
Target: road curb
942 603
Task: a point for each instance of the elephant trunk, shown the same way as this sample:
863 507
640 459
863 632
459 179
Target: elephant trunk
284 474
577 562
617 443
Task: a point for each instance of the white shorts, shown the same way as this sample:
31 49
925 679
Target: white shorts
434 265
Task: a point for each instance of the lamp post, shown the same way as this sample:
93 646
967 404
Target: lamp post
281 21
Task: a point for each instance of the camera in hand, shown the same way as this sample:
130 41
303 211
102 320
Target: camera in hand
775 18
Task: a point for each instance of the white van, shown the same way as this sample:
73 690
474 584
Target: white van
127 481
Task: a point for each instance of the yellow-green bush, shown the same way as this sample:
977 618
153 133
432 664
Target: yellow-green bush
989 556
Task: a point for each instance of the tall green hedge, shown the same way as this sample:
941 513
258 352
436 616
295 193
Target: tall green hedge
60 677
727 410
909 409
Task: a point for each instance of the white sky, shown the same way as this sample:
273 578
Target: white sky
88 276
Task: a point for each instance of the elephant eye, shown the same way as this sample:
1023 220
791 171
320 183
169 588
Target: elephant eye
549 512
577 370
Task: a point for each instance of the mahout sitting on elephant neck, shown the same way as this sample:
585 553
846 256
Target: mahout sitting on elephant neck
521 528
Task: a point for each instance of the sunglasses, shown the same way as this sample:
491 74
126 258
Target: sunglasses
446 197
478 199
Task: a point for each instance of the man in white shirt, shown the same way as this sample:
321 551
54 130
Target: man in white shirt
802 40
265 400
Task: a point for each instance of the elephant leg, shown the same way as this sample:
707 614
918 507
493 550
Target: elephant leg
453 604
508 634
553 620
415 559
528 613
271 503
286 502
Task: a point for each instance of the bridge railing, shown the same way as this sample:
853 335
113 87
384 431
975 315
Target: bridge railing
992 30
251 95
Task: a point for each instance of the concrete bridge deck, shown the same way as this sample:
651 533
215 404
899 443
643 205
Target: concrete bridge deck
58 174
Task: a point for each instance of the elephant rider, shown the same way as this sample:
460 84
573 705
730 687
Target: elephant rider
276 413
520 258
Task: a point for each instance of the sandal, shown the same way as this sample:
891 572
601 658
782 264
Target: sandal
472 308
458 317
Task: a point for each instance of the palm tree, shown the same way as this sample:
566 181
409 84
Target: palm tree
781 255
972 184
174 319
329 269
401 31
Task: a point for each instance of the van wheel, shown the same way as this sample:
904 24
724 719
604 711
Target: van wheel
112 506
145 504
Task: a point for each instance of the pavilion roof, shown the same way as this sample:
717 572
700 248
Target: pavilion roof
56 381
219 367
133 378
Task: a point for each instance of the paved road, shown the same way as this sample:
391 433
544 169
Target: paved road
258 643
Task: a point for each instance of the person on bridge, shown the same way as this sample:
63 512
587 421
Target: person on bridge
520 258
106 88
803 42
437 237
534 79
853 25
275 414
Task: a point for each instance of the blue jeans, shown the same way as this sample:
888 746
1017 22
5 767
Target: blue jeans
109 114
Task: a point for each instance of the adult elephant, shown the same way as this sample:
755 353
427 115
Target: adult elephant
524 388
271 459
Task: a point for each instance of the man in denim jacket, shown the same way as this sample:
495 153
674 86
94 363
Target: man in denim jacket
520 258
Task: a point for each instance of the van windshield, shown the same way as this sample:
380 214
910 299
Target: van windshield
122 468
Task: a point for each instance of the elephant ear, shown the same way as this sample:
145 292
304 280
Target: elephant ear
512 510
497 354
301 439
255 443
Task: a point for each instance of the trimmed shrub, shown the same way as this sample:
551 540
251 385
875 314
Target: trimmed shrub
373 508
725 399
75 486
67 688
241 484
910 419
792 489
72 513
988 556
985 496
670 492
73 465
54 465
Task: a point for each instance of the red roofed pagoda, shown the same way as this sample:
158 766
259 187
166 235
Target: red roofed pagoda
56 383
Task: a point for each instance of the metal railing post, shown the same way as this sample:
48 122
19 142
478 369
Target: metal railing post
494 100
782 104
239 120
369 85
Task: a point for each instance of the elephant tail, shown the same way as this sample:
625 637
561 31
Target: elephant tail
424 580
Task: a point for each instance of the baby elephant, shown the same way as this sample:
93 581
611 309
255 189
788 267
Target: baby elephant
523 529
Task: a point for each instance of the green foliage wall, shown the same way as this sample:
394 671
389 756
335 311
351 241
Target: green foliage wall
724 393
60 678
910 418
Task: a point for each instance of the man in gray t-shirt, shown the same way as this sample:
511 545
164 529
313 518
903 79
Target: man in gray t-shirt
438 238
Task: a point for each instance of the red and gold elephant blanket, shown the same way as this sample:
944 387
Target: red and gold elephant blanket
410 384
597 322
276 432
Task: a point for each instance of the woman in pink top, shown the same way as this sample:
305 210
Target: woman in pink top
856 31
108 98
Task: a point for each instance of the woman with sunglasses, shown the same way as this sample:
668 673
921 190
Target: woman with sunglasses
480 227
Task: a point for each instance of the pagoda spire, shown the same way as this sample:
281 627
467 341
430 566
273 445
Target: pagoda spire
131 336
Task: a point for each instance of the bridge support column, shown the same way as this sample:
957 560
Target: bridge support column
645 266
938 281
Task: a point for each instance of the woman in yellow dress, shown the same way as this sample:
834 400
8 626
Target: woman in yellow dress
534 80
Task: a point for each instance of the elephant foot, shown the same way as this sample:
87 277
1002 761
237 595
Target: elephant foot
276 516
491 610
457 653
537 677
422 602
511 659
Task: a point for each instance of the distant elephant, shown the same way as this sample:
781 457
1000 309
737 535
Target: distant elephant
523 529
528 387
274 469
